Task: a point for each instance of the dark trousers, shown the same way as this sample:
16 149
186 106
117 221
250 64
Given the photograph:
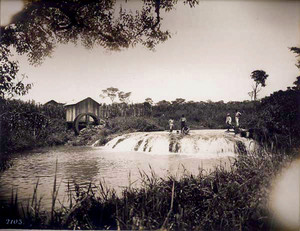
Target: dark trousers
182 126
228 126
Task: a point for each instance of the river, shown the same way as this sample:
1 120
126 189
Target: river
92 164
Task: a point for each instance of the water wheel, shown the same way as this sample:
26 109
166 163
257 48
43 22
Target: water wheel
78 123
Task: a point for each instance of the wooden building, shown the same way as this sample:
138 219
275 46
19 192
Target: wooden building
87 105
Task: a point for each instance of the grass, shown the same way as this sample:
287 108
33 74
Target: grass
115 127
234 199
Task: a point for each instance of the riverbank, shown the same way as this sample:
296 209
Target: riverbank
224 199
27 125
100 135
23 146
52 131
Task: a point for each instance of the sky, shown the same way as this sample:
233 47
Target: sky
213 50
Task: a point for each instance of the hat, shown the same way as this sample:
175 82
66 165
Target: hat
228 113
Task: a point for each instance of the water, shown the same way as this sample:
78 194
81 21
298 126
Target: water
92 164
200 143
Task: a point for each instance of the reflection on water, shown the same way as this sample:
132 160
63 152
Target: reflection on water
86 164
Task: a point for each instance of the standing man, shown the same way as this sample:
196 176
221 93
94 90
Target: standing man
183 123
171 124
228 121
237 118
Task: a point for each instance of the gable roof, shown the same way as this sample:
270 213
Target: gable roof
73 102
52 102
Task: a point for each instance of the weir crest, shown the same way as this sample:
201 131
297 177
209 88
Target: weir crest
204 143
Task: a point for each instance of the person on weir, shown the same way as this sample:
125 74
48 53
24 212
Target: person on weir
171 124
228 121
237 118
182 123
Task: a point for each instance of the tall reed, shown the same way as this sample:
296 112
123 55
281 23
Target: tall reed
223 199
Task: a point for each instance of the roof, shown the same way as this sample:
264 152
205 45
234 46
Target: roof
53 102
73 102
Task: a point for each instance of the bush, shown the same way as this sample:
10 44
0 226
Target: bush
25 125
116 126
203 115
141 124
277 121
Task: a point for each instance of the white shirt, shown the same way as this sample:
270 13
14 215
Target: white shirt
238 114
228 120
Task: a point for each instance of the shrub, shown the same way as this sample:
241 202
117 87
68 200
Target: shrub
277 122
25 125
120 124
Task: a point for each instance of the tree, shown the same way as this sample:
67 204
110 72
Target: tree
279 115
259 78
10 85
250 93
296 50
191 102
43 24
297 84
149 101
178 101
110 92
163 103
124 97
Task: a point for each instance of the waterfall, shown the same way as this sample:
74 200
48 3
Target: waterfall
207 143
